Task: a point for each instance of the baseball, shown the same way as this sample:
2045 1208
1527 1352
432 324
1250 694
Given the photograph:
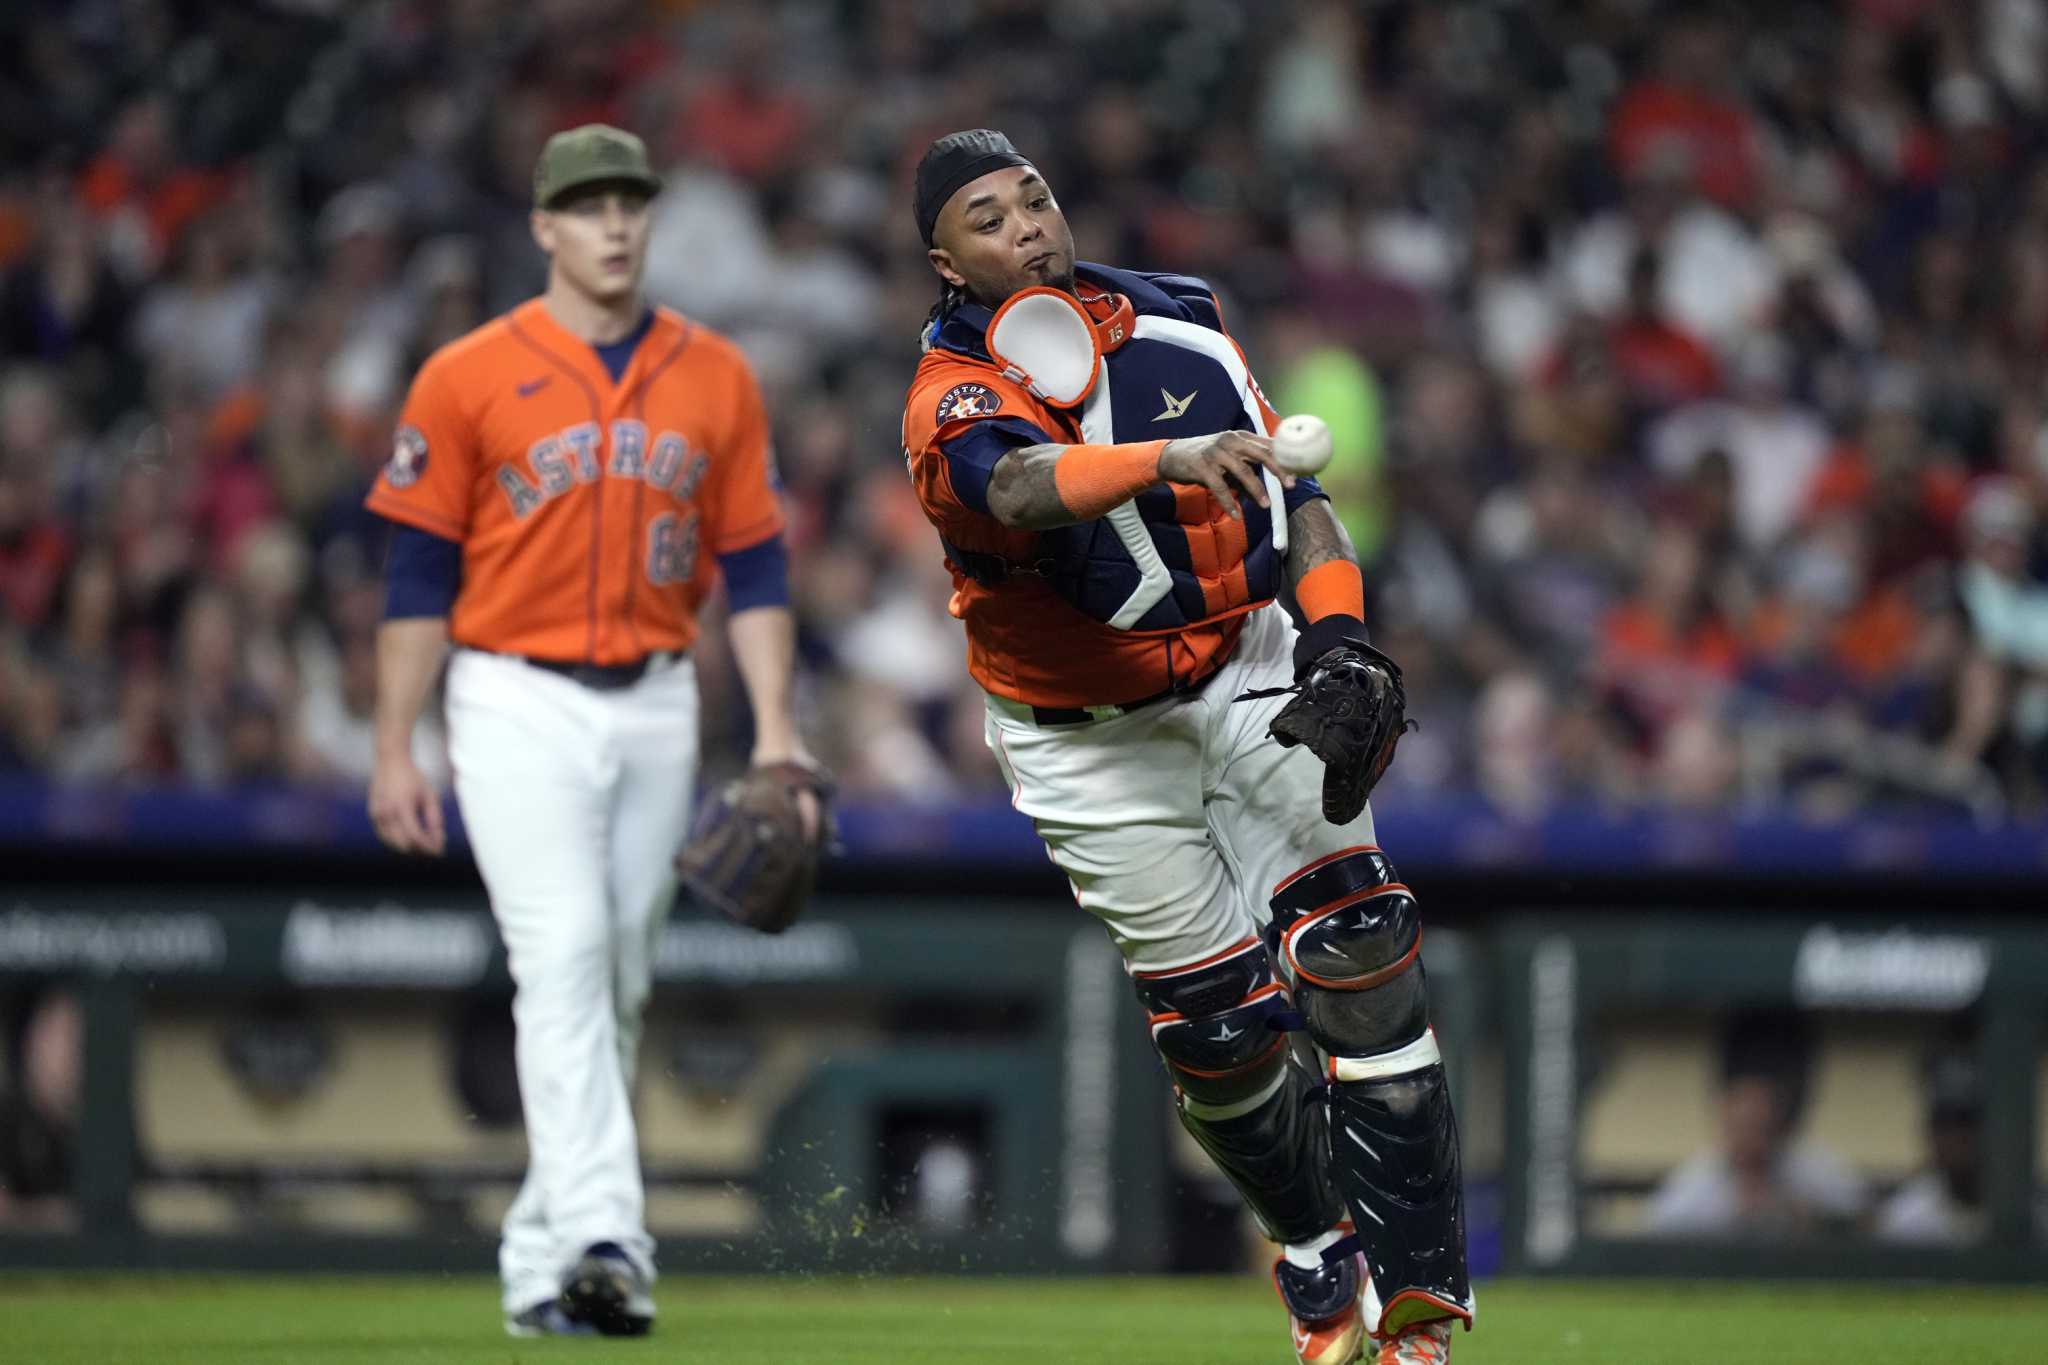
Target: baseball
1301 443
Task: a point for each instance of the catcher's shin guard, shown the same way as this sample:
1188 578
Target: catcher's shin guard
1219 1025
1351 939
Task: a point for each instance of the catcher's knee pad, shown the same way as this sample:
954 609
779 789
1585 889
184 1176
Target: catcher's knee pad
1220 1027
1352 938
1218 1023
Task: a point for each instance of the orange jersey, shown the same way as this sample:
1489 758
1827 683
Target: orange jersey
1038 606
588 511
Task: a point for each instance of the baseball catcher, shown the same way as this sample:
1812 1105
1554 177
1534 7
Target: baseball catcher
1098 462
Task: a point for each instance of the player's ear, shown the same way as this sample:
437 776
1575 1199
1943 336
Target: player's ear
542 224
942 261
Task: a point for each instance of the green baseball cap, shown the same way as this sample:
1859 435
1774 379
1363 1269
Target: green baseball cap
588 155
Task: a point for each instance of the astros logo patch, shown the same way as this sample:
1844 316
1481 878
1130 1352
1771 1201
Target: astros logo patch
968 400
408 458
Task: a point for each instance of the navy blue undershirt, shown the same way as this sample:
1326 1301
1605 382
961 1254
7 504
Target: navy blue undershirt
617 355
757 576
421 573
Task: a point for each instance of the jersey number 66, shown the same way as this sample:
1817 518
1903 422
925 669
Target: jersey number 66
671 548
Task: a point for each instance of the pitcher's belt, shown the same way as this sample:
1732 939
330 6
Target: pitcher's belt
606 677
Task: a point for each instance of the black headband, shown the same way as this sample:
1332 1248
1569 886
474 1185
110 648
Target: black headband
955 160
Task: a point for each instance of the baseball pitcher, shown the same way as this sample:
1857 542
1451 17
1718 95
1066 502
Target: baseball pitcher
566 482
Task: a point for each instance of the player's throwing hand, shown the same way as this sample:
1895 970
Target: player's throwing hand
1218 461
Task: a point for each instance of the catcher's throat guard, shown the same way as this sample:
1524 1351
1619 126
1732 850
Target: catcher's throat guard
1045 341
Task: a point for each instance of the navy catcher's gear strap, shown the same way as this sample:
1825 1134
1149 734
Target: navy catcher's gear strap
1220 1026
1351 939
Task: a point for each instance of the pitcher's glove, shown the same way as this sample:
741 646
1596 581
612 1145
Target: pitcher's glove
749 858
1348 707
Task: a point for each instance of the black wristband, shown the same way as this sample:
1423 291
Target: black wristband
1318 638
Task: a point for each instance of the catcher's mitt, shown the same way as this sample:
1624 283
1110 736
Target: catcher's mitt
748 858
1348 707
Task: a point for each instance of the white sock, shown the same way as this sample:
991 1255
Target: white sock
1309 1255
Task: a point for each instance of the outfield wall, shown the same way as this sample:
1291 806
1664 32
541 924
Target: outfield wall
311 1065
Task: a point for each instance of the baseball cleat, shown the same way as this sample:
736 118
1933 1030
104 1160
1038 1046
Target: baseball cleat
1426 1343
1324 1320
546 1319
608 1292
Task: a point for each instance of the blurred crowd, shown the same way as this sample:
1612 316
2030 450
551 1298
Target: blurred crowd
1686 362
1759 1179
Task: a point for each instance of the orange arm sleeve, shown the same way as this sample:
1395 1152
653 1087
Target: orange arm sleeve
1093 479
1335 588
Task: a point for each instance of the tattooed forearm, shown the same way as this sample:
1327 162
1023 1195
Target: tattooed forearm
1024 487
1314 537
1022 492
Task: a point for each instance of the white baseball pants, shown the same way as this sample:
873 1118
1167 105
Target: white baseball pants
1174 822
575 801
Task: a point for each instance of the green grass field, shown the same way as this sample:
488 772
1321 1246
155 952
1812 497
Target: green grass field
207 1320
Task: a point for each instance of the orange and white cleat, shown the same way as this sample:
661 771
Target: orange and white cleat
1425 1343
1335 1342
1324 1318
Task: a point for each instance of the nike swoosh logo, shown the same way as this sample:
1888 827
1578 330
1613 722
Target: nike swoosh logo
1175 406
533 386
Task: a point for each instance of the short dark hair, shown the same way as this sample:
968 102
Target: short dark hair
1773 1044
